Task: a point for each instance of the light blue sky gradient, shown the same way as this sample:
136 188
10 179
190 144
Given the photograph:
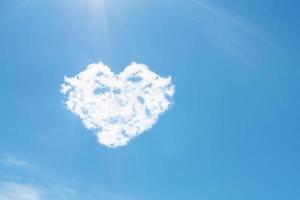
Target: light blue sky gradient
232 134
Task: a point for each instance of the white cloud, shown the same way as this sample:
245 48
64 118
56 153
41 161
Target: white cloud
13 161
118 107
18 191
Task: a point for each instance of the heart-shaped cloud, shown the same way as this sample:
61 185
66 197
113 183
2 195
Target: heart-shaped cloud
119 107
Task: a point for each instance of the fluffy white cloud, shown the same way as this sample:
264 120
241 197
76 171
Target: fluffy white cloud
118 107
18 191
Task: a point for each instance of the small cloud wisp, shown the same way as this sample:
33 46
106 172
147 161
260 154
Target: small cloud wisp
18 191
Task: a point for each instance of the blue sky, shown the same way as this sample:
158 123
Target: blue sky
232 133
